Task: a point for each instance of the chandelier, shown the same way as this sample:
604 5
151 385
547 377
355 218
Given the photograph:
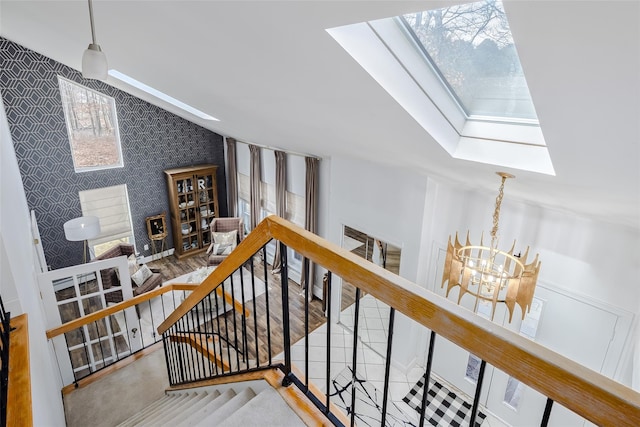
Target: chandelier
488 273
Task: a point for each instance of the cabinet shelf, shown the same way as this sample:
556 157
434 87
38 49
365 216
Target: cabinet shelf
193 198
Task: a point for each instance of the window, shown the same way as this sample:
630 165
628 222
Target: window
471 47
459 78
92 126
111 206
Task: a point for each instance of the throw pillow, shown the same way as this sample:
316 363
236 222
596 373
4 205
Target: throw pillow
140 276
224 242
133 266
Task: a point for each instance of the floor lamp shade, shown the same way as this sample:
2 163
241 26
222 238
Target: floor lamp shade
82 228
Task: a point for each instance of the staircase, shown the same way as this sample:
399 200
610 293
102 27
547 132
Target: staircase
238 406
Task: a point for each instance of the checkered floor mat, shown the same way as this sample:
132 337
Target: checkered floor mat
444 408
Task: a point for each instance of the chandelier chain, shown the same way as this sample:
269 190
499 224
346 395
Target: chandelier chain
496 212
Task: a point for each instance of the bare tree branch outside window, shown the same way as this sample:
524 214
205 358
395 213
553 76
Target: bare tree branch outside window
92 127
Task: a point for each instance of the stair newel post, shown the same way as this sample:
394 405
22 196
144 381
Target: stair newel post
284 280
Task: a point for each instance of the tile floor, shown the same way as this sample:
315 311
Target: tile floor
373 331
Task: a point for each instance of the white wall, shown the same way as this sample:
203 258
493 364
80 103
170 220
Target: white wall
387 203
19 275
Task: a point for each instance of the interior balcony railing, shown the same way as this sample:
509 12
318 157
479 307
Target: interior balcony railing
195 353
15 375
120 332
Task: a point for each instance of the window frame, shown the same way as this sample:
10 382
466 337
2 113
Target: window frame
70 132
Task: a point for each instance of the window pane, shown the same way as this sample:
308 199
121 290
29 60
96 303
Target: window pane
472 49
92 127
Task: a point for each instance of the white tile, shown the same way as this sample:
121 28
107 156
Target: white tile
317 354
374 324
372 357
338 354
317 370
375 373
377 336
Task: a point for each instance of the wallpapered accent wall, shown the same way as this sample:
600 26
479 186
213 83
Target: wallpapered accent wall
152 140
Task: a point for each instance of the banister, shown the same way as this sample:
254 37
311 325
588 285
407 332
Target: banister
19 404
100 314
584 391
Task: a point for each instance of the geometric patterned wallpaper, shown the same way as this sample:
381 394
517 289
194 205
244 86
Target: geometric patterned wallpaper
152 140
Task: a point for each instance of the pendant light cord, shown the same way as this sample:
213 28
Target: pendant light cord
93 29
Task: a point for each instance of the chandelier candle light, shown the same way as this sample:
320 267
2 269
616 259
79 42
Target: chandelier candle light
490 274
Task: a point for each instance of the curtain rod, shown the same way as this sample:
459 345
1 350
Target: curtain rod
275 149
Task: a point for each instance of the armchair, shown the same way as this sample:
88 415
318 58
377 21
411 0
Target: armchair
223 225
110 277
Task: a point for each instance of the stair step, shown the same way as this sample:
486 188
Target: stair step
160 403
196 406
228 408
153 419
272 410
195 417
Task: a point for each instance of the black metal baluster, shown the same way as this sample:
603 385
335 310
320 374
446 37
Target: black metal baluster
547 412
266 290
126 331
284 280
206 335
226 326
195 333
86 350
166 360
235 324
476 397
427 377
215 297
153 328
387 368
213 333
328 379
186 331
140 329
180 351
255 314
306 323
243 323
108 320
172 361
355 356
104 362
199 336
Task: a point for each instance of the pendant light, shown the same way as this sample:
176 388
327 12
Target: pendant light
94 61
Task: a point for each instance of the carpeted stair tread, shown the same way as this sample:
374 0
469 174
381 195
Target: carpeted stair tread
228 408
195 417
206 399
144 412
184 400
272 410
171 403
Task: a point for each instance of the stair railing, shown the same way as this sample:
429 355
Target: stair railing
193 353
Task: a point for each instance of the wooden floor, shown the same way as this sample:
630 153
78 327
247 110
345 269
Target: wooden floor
170 267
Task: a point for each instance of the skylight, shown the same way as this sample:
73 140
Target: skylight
472 49
160 95
466 89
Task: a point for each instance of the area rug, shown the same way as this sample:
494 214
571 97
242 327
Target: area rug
444 407
368 407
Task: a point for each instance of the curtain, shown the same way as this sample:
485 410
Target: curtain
232 176
281 198
311 215
254 176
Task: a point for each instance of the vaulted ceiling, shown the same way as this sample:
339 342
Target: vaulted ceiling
273 76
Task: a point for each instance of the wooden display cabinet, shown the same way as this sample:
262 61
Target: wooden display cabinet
193 198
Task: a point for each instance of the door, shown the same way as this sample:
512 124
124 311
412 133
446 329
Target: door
73 292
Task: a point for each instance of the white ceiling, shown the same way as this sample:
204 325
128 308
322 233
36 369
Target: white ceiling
273 76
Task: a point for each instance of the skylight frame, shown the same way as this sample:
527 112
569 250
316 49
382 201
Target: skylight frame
530 115
382 48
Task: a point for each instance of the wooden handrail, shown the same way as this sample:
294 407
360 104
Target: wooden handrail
584 391
19 408
100 314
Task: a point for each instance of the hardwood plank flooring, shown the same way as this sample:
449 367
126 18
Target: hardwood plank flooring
171 267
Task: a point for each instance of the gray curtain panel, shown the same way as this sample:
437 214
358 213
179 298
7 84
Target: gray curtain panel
255 175
281 198
232 175
311 216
